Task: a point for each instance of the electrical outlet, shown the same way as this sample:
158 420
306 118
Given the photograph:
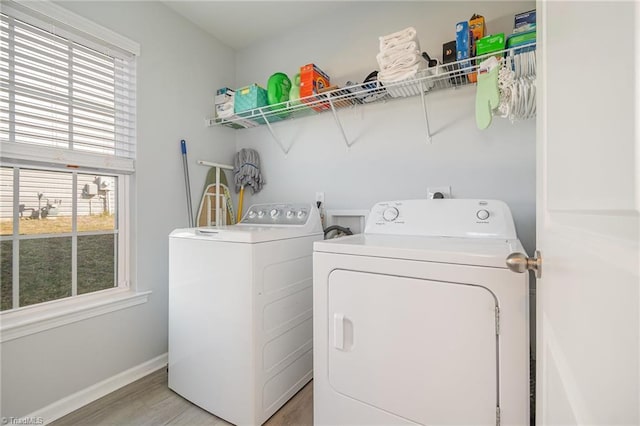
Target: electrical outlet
320 197
434 192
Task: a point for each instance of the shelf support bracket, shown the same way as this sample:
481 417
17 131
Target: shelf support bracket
273 134
338 122
424 110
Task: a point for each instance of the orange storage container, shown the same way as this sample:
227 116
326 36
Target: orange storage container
312 79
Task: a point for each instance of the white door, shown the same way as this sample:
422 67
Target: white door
588 214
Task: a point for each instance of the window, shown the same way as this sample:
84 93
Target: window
58 253
67 129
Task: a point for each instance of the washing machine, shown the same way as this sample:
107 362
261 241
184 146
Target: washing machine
419 321
240 311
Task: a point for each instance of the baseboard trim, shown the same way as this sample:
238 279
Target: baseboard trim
79 399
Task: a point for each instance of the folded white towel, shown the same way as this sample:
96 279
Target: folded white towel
394 44
398 38
405 84
224 110
410 46
399 74
408 32
398 59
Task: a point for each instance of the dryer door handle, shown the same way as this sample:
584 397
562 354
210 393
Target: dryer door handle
338 331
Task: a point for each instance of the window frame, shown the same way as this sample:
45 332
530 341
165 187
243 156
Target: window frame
122 227
26 320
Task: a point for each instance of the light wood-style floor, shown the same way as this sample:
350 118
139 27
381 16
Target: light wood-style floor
150 402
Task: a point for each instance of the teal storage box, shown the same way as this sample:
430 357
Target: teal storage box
249 97
252 97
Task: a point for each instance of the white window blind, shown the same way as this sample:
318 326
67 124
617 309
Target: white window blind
67 97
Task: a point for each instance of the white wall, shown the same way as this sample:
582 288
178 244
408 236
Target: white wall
390 158
179 69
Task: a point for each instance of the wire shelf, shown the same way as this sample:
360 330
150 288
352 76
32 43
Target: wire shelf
447 76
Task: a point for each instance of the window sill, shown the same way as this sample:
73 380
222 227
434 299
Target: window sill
34 319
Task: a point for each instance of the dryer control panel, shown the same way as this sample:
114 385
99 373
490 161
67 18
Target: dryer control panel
468 218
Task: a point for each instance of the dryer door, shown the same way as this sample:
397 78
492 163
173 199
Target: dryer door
422 350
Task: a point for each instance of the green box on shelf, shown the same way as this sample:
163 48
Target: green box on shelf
490 44
521 39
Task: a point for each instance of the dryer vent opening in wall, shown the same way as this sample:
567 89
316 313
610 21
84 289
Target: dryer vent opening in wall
439 192
354 220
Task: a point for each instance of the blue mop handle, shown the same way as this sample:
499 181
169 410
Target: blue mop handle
185 164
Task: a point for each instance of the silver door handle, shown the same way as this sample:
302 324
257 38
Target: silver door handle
518 262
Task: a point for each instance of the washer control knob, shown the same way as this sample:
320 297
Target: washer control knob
252 214
482 214
274 213
290 214
261 213
301 214
390 214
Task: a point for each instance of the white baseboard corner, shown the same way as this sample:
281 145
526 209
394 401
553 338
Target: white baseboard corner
79 399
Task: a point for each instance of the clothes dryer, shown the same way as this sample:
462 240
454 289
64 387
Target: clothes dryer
419 321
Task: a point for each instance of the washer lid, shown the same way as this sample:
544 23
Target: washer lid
460 251
243 233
